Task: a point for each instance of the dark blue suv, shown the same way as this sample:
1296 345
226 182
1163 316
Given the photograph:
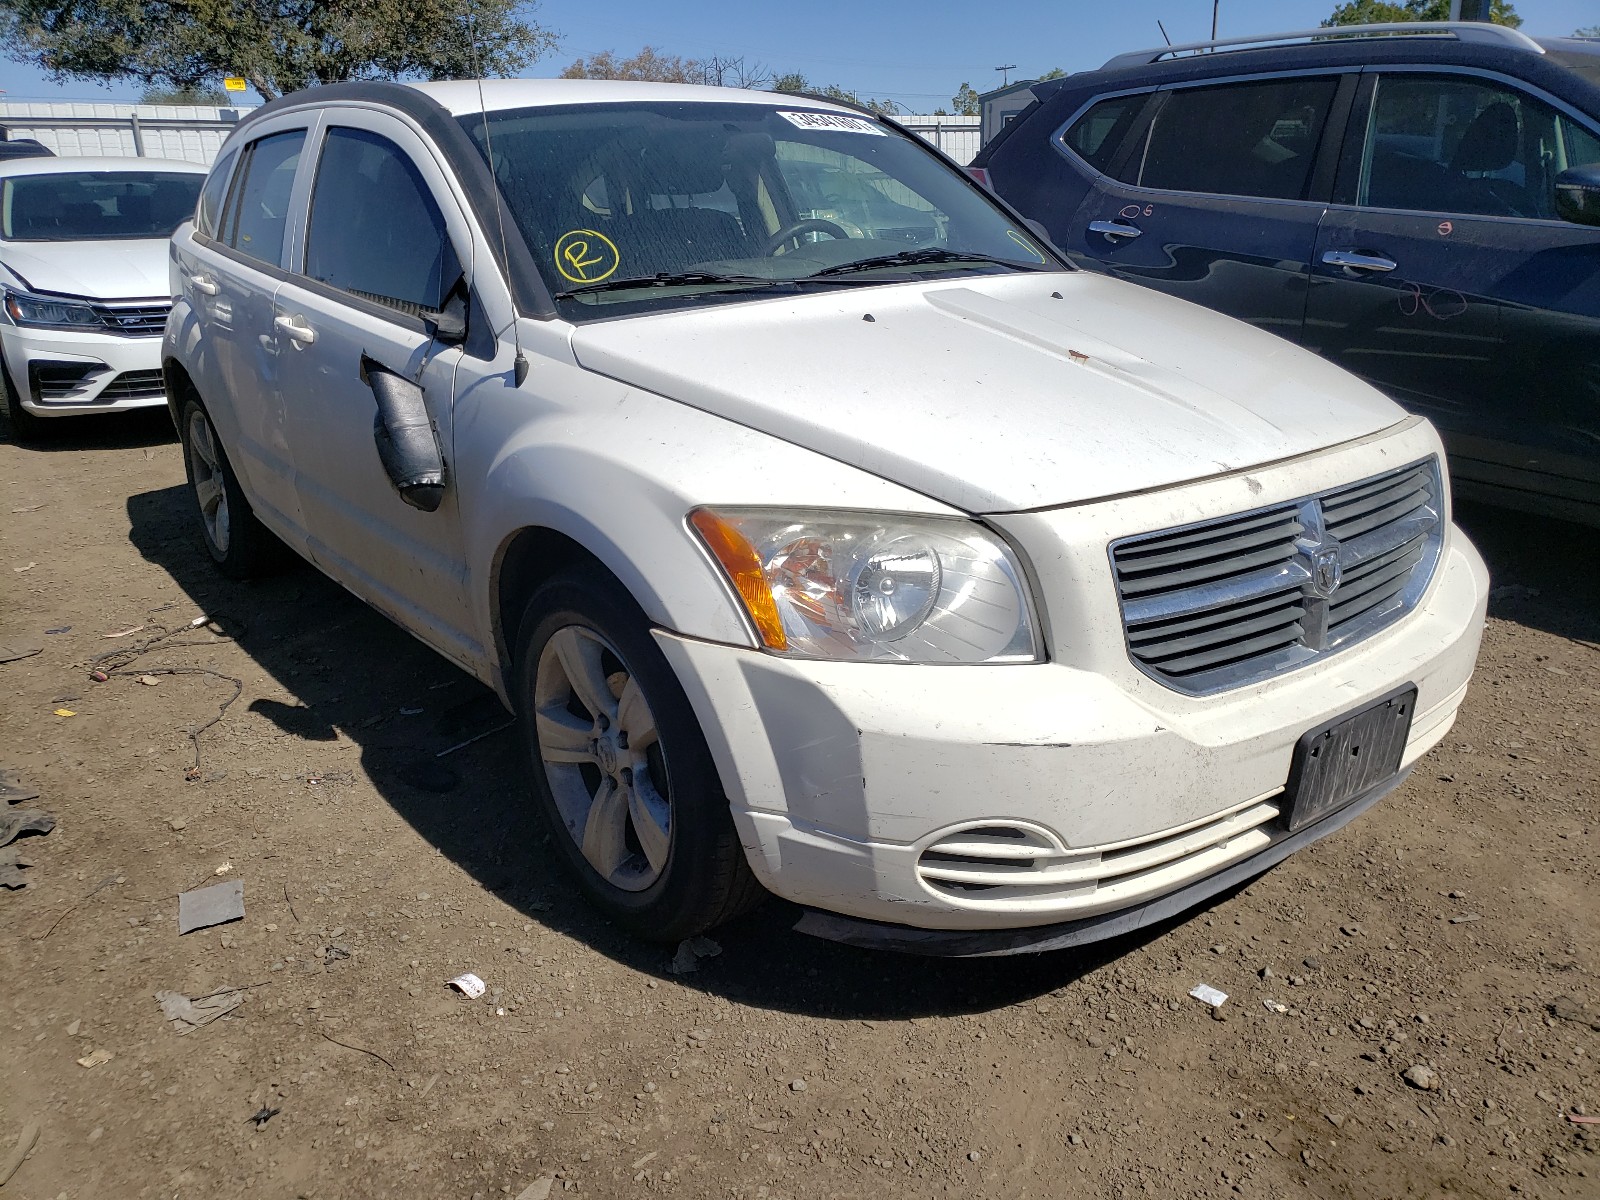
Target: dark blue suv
1420 204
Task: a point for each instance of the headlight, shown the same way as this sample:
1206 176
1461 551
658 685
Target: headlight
875 587
44 311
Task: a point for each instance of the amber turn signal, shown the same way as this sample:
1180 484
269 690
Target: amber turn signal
742 564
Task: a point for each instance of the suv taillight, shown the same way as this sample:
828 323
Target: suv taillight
981 174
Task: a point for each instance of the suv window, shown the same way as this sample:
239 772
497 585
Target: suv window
259 212
1450 143
395 251
209 211
1238 139
1096 135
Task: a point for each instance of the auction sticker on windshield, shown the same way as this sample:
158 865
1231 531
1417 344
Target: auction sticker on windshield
837 122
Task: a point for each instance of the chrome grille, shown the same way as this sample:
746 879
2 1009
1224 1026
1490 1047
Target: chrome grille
137 320
1223 603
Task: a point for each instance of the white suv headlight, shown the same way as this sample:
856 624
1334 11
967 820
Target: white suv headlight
872 586
50 312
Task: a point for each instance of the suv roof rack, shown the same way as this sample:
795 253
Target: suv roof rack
1463 31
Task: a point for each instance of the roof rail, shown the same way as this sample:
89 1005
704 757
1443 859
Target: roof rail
1464 31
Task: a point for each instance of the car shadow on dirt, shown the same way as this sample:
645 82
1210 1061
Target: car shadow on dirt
107 431
354 673
1542 571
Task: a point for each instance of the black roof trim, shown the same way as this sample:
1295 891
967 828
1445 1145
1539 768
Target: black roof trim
516 263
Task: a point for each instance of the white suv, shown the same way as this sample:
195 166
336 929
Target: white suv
975 604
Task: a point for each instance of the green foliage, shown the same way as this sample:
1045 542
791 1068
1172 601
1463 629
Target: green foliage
1377 12
219 97
1053 73
795 82
1587 31
965 101
277 45
647 66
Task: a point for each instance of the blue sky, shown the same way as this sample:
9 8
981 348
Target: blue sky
916 54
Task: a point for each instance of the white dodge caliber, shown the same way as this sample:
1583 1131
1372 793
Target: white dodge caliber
868 555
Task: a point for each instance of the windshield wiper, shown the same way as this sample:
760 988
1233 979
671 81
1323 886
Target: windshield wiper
927 254
661 279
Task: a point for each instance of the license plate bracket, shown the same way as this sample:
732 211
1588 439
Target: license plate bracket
1337 762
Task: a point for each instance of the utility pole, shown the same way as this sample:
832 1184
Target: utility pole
1215 4
1004 77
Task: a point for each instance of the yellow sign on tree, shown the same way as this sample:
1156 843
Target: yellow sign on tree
234 84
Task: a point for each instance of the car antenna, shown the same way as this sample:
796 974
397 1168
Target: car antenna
519 365
1163 29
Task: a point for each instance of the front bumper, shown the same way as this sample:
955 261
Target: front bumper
882 792
65 373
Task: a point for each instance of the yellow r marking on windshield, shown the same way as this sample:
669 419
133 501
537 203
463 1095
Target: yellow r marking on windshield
586 256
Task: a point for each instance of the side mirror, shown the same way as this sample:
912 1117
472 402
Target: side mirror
448 326
1578 194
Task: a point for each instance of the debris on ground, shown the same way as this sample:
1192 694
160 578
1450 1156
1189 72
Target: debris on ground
125 632
1465 919
95 1058
1421 1077
1569 1008
149 681
1207 994
687 960
469 985
13 790
19 821
15 646
539 1189
20 1151
214 905
188 1015
1275 1006
262 1115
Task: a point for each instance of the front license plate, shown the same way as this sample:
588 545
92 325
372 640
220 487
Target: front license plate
1337 762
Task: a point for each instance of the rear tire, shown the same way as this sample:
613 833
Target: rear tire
239 544
619 768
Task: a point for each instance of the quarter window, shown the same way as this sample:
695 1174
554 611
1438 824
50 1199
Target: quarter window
376 231
1454 144
259 214
1096 135
209 211
1240 139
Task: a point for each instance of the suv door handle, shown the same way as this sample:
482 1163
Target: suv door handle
1115 229
204 285
291 328
1350 260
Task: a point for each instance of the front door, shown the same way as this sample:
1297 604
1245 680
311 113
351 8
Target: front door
1214 201
1445 279
379 254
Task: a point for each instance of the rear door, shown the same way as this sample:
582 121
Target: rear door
230 274
385 243
1443 276
1216 195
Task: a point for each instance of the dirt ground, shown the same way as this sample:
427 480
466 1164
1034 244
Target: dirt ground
1454 927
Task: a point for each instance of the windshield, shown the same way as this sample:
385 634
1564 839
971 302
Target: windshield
639 205
96 205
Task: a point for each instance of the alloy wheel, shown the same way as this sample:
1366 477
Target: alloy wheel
603 759
210 492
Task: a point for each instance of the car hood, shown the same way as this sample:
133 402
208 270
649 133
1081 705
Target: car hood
132 270
998 393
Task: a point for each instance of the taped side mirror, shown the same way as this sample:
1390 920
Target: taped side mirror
408 444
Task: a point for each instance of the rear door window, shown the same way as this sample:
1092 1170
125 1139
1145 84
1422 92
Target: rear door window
1237 139
258 214
376 230
1466 145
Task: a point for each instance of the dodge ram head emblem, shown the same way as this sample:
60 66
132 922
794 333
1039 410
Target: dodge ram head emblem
1326 570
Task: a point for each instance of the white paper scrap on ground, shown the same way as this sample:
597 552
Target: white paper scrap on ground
469 985
214 905
1207 994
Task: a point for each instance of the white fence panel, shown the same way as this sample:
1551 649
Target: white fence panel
193 132
959 137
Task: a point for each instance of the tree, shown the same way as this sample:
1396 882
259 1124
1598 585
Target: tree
647 66
1587 31
1053 73
734 72
965 102
277 45
1377 12
218 97
794 82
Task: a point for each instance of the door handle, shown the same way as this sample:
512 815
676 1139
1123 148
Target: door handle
291 328
1352 260
204 285
1115 229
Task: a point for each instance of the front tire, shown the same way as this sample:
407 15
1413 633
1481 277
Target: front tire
618 766
239 544
25 427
